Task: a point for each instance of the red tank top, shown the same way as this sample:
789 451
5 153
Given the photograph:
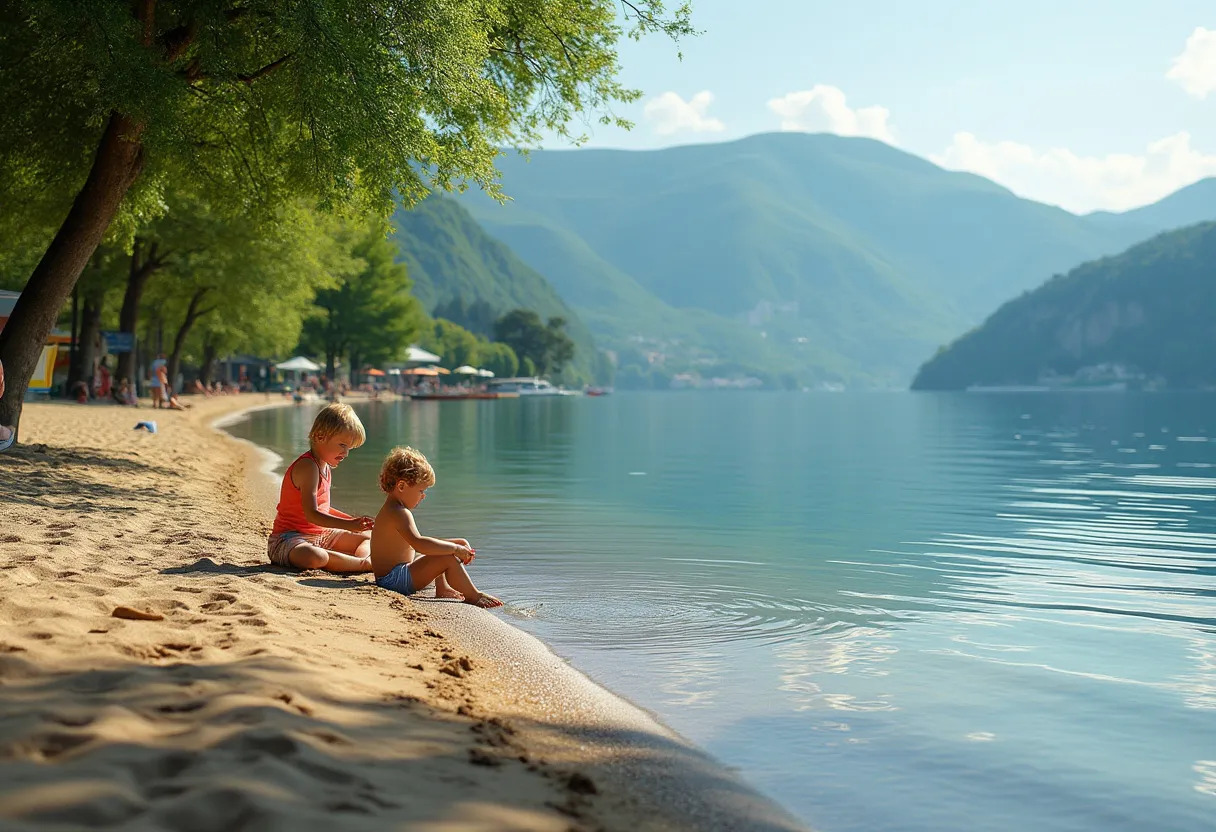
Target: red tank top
290 514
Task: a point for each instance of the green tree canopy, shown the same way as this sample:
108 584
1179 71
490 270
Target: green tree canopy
258 280
546 346
261 99
455 345
369 316
499 359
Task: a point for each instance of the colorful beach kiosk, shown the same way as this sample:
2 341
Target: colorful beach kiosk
44 373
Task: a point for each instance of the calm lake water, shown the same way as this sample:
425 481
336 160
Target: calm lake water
888 611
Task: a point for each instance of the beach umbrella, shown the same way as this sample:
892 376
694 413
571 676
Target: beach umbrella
374 372
486 373
417 355
420 371
440 371
297 364
466 370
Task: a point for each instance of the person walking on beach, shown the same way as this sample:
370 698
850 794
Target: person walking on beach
308 532
405 477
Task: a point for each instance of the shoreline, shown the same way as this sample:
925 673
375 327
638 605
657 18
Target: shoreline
348 707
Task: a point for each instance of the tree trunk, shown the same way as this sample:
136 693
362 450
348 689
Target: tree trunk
193 312
81 368
143 264
209 351
118 163
352 372
73 358
331 361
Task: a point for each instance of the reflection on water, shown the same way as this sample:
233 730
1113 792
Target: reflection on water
890 611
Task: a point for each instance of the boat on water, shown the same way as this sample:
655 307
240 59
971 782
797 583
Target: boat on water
527 387
457 395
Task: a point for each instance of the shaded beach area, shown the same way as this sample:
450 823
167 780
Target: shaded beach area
157 673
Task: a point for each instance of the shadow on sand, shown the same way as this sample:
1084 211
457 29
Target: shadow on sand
256 744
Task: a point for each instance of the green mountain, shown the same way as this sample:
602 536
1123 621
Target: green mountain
449 256
796 257
1144 316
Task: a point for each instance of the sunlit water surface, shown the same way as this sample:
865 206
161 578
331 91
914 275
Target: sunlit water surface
888 611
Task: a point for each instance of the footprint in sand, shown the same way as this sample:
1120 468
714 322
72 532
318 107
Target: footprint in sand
189 706
480 758
71 720
217 604
133 614
55 744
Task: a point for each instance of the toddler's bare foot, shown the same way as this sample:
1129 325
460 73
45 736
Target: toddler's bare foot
484 601
448 592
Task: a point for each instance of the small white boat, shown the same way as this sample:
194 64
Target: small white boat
527 387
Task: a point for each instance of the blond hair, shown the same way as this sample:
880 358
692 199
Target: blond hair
335 419
405 464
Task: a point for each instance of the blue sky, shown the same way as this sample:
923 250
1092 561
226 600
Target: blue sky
1083 104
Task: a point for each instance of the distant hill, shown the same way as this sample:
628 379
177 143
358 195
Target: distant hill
808 258
1193 204
449 255
1145 314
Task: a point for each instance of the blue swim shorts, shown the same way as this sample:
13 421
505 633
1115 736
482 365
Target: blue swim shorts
398 580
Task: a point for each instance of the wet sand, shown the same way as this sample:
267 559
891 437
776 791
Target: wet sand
157 673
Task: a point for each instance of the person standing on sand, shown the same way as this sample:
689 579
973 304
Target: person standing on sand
7 434
404 477
154 382
308 532
101 379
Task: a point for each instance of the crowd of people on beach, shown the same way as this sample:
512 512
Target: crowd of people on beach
101 387
310 533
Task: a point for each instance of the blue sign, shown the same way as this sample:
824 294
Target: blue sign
118 342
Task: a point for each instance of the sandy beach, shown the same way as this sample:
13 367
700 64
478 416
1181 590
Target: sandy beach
157 673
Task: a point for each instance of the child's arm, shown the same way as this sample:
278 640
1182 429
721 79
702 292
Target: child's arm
306 476
365 521
424 545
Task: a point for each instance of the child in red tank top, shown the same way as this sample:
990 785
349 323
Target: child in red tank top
308 532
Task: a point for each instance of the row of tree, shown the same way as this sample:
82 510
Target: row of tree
112 110
199 283
204 282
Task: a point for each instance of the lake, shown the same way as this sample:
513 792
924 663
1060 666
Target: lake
888 611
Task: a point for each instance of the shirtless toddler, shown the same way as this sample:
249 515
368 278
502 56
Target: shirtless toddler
397 544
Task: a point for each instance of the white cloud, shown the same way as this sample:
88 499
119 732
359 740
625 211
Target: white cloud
824 109
672 114
1195 69
1115 182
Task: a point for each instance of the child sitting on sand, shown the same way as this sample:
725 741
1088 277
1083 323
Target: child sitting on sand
309 533
405 477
